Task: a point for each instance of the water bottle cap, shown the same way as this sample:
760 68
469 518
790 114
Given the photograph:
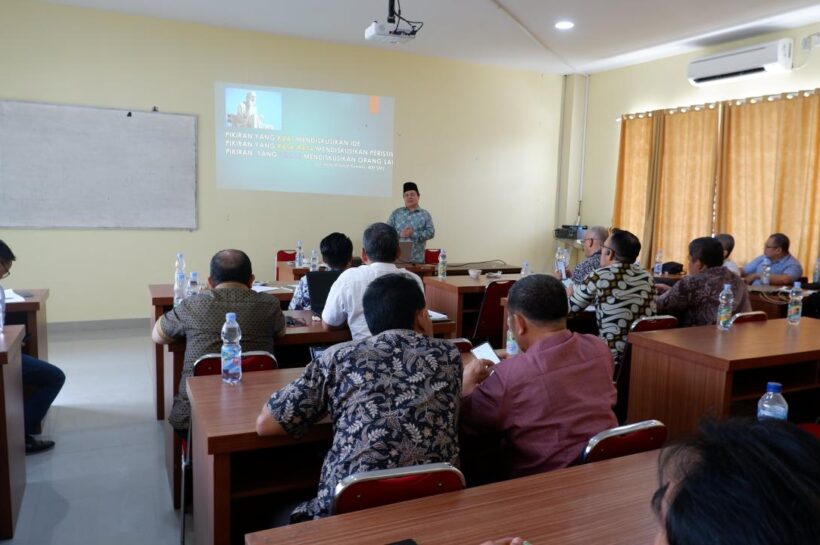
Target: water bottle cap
797 285
727 287
194 275
774 387
230 317
179 255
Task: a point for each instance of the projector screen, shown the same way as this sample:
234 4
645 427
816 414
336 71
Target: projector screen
304 141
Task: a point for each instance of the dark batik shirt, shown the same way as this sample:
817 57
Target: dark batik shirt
582 269
693 300
392 399
199 318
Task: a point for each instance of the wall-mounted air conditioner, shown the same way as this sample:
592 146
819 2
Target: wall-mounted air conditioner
767 57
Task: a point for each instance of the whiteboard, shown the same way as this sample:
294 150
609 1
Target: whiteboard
64 166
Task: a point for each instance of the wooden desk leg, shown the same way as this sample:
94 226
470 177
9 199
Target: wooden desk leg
212 494
159 372
173 444
12 444
37 328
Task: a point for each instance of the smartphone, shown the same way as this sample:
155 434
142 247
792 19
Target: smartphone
485 352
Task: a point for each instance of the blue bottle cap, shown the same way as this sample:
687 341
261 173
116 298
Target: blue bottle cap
797 285
194 275
231 317
774 387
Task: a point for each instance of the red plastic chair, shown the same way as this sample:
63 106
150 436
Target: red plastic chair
211 364
431 256
625 440
491 313
754 316
284 255
385 486
623 369
811 428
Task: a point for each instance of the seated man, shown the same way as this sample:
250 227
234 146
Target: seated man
546 402
727 241
344 302
337 252
41 380
740 482
621 291
392 398
593 243
200 317
693 300
785 269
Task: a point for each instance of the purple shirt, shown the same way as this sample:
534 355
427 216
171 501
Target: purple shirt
547 402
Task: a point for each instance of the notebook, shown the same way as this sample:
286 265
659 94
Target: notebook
319 283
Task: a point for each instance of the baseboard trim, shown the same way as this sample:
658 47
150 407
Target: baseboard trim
98 325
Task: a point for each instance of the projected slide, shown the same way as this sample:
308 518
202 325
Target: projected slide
304 141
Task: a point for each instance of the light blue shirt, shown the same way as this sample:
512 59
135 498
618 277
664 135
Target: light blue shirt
785 265
423 229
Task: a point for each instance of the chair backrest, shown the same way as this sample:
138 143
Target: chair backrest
754 316
253 360
652 323
625 440
385 486
431 255
284 255
463 345
491 314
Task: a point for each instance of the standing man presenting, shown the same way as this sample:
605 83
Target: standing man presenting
413 223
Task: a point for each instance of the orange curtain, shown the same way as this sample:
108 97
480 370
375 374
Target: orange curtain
632 189
686 185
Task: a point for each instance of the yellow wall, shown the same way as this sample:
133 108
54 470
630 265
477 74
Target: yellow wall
481 142
663 84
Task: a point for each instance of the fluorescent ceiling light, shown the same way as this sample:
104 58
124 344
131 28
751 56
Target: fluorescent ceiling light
564 25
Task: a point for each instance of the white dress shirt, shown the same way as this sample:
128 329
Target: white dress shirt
344 302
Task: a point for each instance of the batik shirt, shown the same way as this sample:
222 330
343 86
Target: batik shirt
693 300
423 229
621 293
392 399
301 296
582 269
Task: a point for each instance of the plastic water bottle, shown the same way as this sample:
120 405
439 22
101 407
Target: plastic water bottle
511 346
2 308
300 257
525 268
726 304
231 351
766 271
816 278
561 262
179 265
772 406
314 260
179 288
657 270
193 284
442 264
795 308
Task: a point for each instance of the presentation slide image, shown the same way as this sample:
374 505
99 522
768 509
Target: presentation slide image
306 141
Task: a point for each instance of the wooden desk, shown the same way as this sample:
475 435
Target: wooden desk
295 337
459 297
32 314
162 300
231 463
604 502
288 272
773 304
679 375
12 430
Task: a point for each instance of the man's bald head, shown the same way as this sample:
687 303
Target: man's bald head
231 266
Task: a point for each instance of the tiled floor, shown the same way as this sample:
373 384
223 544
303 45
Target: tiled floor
105 481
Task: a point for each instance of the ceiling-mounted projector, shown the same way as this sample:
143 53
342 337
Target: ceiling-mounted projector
392 31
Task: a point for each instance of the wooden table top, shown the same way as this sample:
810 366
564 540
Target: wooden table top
465 284
162 295
605 502
226 413
12 334
32 303
744 346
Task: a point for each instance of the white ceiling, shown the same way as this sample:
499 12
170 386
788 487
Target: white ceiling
512 33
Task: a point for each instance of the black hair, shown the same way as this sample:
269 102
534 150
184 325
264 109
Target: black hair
391 302
708 250
727 241
231 266
625 245
6 255
781 241
381 243
337 250
741 482
539 298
